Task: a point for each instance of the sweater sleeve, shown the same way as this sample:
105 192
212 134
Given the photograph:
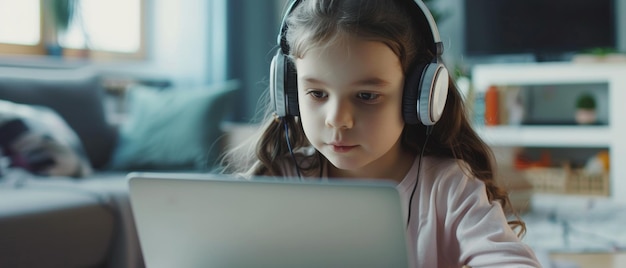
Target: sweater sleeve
478 227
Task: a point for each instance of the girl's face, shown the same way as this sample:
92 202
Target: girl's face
350 97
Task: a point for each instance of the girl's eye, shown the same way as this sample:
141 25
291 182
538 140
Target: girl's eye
317 94
368 96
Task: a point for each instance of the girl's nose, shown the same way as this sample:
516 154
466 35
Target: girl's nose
339 115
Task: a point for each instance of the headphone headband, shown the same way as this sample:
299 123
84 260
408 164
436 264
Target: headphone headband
438 45
432 25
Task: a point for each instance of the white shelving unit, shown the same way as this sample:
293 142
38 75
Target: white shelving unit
552 136
611 136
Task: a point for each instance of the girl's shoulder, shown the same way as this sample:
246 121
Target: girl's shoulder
447 175
449 185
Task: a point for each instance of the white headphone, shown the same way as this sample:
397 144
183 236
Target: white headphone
425 86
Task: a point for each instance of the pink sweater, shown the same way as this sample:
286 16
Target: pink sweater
452 222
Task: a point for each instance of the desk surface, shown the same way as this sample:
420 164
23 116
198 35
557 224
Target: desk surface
584 260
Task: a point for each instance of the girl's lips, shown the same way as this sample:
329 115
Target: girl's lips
343 148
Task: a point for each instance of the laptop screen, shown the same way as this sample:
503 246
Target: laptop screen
207 220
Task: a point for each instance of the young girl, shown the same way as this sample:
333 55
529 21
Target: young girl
355 113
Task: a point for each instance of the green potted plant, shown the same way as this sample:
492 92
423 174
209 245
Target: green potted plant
58 17
586 109
600 54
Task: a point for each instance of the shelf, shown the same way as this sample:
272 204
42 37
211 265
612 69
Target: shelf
573 137
545 73
546 136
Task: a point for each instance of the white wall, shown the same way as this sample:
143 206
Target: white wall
184 43
179 40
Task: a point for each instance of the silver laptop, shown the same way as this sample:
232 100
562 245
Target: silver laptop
187 220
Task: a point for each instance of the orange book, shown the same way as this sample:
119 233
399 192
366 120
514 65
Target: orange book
492 116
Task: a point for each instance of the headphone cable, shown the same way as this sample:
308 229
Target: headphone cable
429 129
293 157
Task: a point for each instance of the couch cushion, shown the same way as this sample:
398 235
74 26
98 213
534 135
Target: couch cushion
173 129
76 94
50 227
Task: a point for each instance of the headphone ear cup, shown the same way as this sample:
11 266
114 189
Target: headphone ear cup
283 86
291 88
410 95
277 85
433 93
425 94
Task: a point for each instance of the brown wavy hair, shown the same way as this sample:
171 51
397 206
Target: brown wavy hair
315 23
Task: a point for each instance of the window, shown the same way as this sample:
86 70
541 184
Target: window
112 25
19 22
111 29
20 27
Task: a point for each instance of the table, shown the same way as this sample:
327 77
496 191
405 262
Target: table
584 260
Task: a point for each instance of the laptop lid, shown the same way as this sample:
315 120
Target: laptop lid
187 220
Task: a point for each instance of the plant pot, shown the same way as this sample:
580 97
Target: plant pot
585 116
